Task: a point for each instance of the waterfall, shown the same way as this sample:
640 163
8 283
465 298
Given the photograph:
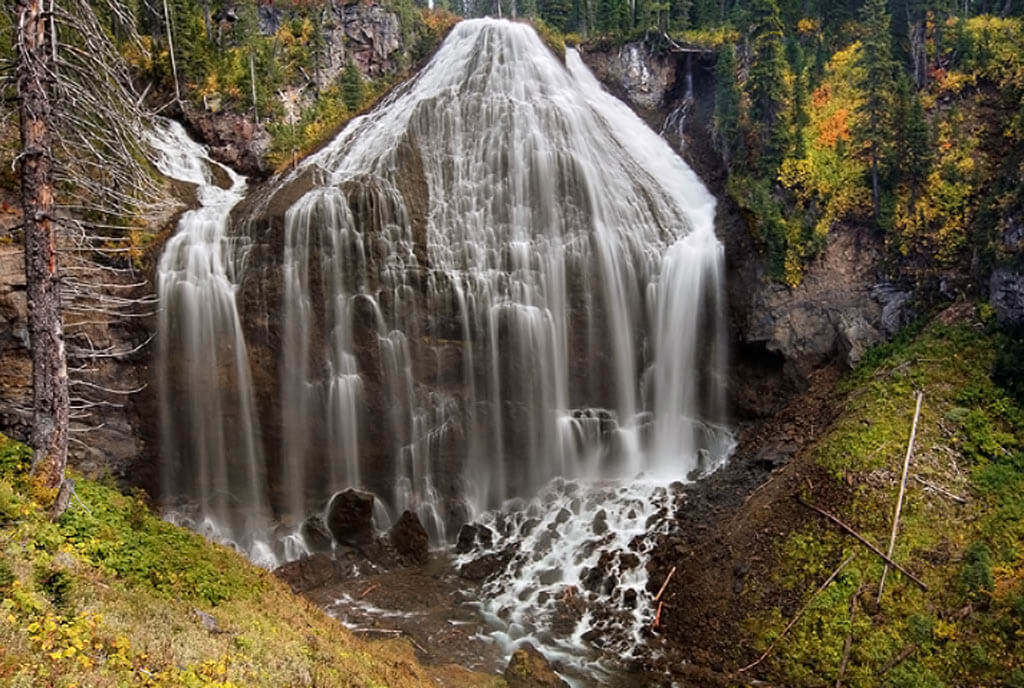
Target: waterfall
210 446
497 277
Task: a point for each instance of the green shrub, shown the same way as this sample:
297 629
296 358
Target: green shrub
56 585
1008 369
10 505
15 458
7 576
976 577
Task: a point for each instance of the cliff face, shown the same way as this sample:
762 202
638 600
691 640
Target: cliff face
780 334
364 32
107 428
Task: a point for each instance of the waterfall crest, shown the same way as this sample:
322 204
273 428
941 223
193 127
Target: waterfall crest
498 276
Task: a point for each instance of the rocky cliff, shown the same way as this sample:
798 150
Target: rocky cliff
780 334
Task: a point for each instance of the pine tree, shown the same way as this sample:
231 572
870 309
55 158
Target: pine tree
607 19
35 89
798 111
527 8
625 16
876 66
912 154
679 14
555 12
766 84
726 121
352 86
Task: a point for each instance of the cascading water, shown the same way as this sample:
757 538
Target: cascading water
498 277
210 445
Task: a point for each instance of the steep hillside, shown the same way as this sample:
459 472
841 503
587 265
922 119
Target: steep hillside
110 595
783 594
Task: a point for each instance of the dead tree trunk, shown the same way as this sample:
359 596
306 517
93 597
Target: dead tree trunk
50 406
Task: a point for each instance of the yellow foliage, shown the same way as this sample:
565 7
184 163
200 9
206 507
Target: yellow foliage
831 173
807 25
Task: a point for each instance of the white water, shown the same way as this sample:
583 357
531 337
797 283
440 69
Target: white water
497 277
210 446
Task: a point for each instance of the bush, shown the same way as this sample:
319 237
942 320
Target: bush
1008 368
976 576
56 585
7 576
10 505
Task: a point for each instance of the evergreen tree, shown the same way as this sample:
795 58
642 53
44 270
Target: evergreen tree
727 103
877 84
352 86
607 19
555 12
625 15
679 14
704 13
912 153
766 84
798 117
527 8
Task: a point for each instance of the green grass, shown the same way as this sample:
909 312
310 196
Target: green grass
968 628
108 597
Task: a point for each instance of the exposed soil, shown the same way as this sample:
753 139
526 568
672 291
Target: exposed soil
727 534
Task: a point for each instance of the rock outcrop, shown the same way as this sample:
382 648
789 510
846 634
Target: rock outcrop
1006 293
635 73
234 140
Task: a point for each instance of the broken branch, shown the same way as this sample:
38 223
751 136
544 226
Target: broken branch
941 490
903 491
864 542
798 614
664 585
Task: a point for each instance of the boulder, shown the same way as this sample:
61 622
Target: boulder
473 535
528 668
488 565
315 534
309 572
856 335
410 538
350 517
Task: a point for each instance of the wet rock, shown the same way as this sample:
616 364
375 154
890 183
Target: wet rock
641 74
309 572
234 140
600 523
628 560
629 598
350 517
410 538
550 577
529 525
563 516
487 566
473 535
315 534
